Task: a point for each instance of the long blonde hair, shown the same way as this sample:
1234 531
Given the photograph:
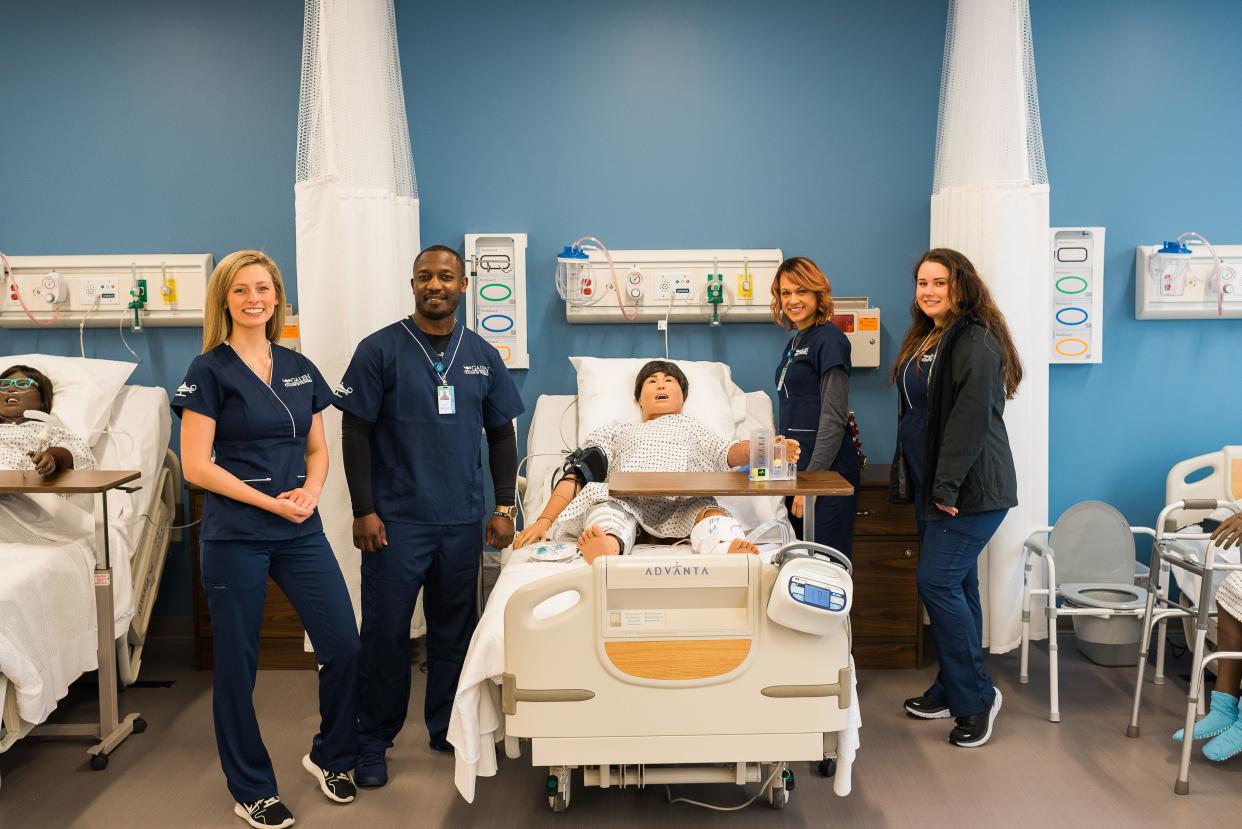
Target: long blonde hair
217 324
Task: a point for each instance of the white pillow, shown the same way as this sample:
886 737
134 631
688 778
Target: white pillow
606 393
83 390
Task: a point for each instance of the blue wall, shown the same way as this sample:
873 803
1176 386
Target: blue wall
170 125
164 126
1140 132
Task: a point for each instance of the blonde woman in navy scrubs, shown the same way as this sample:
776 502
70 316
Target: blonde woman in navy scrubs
252 436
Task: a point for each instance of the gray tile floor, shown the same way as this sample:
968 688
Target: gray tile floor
1081 772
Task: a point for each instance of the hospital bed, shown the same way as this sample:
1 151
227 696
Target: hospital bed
728 695
47 608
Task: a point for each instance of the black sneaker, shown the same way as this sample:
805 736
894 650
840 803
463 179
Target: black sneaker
975 730
337 785
372 771
926 708
268 813
441 745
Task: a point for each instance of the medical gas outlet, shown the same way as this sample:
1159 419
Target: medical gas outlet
67 291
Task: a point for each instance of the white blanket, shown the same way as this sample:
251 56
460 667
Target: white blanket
477 724
47 606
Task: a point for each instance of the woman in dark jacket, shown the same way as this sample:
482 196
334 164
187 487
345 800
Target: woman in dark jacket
956 368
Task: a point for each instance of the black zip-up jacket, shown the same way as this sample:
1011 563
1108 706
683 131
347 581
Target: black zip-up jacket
970 465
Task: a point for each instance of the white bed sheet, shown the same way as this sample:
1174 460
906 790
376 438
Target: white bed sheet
47 606
476 723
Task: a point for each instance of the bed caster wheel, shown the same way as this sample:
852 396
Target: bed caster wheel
99 762
778 798
828 767
140 725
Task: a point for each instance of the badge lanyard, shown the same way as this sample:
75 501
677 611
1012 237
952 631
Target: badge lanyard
446 398
789 358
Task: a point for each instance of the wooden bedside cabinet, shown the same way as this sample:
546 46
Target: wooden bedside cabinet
280 641
887 617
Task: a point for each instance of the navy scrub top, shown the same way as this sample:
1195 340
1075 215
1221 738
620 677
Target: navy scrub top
427 467
912 430
808 355
261 431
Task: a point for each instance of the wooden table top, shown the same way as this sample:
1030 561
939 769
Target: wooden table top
67 482
701 484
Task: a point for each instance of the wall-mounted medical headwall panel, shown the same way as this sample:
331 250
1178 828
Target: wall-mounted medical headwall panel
1188 285
1077 295
496 300
162 290
675 285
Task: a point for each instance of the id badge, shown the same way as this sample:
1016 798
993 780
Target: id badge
446 400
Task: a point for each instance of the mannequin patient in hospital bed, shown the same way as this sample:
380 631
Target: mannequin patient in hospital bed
28 443
665 441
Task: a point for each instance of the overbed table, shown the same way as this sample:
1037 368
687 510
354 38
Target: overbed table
704 484
110 730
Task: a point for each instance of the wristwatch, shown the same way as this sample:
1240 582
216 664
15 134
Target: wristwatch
505 512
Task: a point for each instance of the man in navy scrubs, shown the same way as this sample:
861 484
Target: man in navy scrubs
417 396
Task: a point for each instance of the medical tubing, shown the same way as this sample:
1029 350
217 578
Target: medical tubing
120 329
10 283
616 283
668 793
82 326
1217 273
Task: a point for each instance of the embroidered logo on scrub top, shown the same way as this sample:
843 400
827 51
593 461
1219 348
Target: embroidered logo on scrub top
185 388
483 370
294 382
802 352
342 390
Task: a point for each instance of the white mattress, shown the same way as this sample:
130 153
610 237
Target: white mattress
47 607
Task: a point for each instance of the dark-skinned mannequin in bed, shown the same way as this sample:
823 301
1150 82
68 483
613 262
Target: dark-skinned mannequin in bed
24 389
416 397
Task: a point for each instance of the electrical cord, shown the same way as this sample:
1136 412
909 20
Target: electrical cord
668 793
82 326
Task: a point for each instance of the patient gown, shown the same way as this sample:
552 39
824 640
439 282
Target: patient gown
18 440
44 518
670 443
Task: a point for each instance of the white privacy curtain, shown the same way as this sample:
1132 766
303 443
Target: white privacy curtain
356 203
990 201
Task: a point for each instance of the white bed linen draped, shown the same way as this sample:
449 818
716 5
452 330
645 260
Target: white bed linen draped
990 202
357 209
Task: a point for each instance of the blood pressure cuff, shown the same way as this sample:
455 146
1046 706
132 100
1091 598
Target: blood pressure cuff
589 465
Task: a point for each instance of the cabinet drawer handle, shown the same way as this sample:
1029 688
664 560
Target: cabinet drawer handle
909 553
863 513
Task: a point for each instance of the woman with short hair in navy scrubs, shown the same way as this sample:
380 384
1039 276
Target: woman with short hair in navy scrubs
813 393
956 368
252 436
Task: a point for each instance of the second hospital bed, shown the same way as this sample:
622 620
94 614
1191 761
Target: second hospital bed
728 697
47 619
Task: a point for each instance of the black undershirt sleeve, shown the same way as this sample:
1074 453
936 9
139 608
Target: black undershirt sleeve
356 449
502 461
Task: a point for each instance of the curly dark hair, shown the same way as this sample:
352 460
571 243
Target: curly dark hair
664 367
41 380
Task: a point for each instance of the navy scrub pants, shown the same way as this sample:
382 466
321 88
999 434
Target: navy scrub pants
234 577
834 518
445 561
948 580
